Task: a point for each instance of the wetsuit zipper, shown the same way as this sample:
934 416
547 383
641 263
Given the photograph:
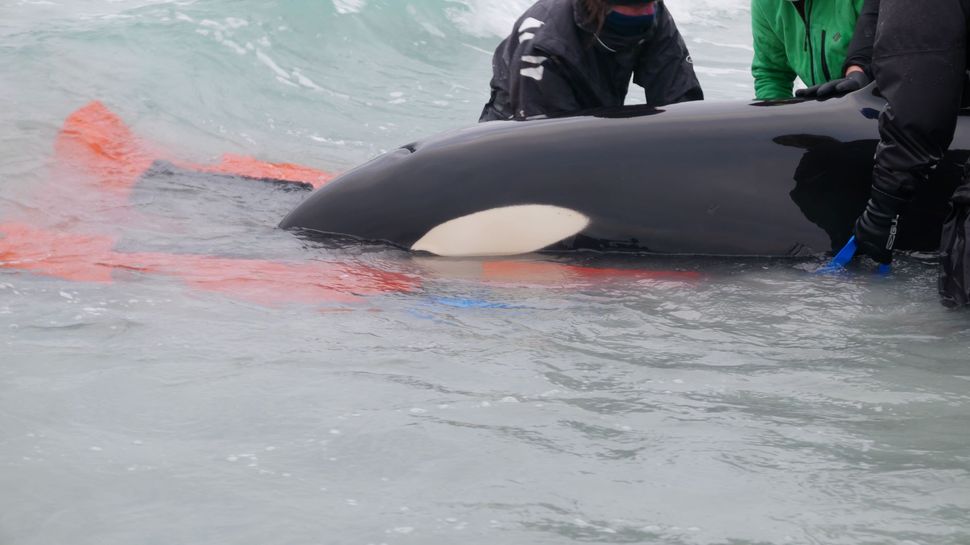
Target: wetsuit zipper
808 37
803 9
825 63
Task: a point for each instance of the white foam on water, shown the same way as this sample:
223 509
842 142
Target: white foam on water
305 81
266 60
717 71
485 18
707 12
489 18
238 49
349 6
235 22
212 24
745 47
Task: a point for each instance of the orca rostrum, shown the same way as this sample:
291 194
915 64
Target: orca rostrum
701 178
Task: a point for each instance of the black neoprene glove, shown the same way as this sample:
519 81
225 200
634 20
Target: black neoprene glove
876 229
838 87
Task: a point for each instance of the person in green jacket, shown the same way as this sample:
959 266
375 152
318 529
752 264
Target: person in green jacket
826 43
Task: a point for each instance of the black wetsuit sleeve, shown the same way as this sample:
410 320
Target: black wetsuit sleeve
539 85
919 65
665 69
498 107
860 48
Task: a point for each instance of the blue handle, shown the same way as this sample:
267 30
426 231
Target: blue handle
845 255
841 259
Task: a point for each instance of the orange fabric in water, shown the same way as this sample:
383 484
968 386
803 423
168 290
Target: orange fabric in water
558 273
91 258
97 142
239 165
97 149
70 256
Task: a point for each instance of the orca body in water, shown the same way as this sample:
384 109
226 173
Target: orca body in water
704 178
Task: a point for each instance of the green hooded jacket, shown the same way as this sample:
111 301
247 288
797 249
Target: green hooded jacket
786 44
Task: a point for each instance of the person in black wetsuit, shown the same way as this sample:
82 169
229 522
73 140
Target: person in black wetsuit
920 63
564 56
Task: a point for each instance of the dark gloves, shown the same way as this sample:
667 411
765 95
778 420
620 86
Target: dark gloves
838 87
876 229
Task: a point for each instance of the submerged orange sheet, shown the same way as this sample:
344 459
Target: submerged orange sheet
103 156
106 159
96 141
91 258
548 273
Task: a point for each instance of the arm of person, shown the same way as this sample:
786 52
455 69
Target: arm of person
665 69
920 59
773 76
539 85
859 55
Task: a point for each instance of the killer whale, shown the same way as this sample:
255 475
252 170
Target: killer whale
700 178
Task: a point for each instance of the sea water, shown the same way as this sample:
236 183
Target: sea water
415 400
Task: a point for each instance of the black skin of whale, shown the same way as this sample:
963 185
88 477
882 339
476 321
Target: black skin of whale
701 178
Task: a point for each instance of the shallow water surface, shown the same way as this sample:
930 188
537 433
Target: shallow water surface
232 383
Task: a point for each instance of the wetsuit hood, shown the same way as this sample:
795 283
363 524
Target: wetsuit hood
583 18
